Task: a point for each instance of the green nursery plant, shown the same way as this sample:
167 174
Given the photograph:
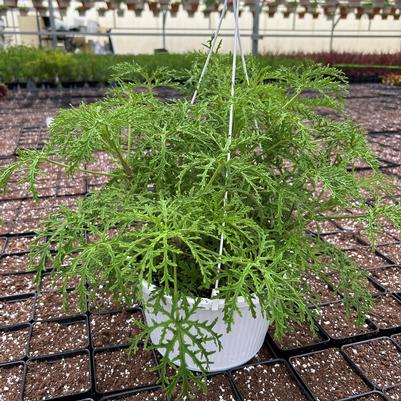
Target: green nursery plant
160 216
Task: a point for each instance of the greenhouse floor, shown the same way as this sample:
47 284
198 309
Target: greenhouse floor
46 352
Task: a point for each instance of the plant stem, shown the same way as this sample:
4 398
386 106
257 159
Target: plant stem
291 100
78 169
119 155
129 143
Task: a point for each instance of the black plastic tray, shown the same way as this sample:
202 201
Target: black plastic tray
339 341
288 352
112 392
352 366
22 326
360 397
63 321
17 298
360 370
70 397
22 384
291 371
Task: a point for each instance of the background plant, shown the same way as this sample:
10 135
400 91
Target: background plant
160 216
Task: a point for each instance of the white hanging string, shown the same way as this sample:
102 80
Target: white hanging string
211 50
237 42
230 127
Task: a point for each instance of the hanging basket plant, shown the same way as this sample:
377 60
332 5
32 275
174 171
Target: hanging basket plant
11 3
37 3
81 10
63 3
101 11
291 6
154 7
23 11
174 8
343 12
313 7
315 15
190 6
211 6
271 10
204 218
329 11
88 4
113 4
301 13
136 5
42 11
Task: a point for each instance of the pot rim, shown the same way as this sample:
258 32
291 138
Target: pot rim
205 303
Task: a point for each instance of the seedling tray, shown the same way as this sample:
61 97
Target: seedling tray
302 349
15 299
132 386
79 395
376 393
17 328
64 322
351 366
362 373
339 341
298 383
22 383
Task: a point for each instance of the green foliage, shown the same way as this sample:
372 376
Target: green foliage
21 64
160 216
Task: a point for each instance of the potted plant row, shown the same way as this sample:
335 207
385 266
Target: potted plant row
209 231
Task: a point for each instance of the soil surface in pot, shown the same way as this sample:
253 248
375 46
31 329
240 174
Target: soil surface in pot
53 337
49 305
381 238
113 329
371 397
322 293
388 277
13 344
48 284
117 370
57 377
334 320
10 383
15 312
267 382
379 360
394 393
299 336
16 284
386 312
104 302
393 252
218 389
18 244
328 375
14 264
145 396
342 240
365 258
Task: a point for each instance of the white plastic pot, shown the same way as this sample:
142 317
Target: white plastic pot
238 346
